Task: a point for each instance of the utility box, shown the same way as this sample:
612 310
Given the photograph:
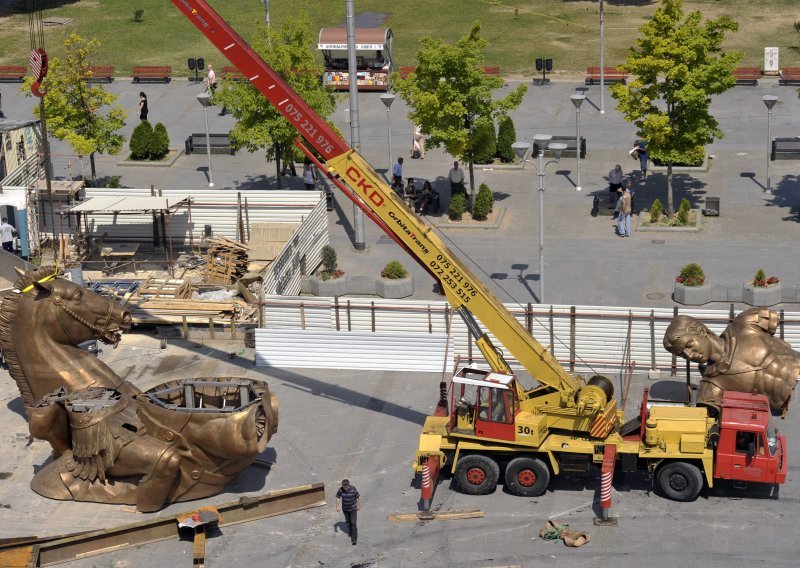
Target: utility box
712 207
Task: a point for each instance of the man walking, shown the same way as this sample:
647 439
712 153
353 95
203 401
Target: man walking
211 80
397 175
7 234
456 177
349 502
624 220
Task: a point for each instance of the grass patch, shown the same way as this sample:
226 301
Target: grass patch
518 31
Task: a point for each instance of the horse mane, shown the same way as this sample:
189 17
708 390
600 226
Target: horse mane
8 314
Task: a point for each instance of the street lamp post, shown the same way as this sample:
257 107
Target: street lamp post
387 99
521 150
769 102
203 99
577 100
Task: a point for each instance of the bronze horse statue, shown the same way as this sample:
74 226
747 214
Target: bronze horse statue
112 443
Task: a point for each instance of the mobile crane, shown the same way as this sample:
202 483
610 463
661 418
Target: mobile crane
490 420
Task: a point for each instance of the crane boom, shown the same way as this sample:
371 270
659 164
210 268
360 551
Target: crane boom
466 293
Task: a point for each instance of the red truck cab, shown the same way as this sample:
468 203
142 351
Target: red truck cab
749 447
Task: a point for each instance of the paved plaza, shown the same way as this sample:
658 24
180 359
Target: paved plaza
365 426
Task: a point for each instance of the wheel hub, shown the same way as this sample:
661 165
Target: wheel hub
476 475
678 482
526 478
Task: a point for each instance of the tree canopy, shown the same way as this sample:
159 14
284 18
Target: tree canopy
677 63
289 50
449 93
78 111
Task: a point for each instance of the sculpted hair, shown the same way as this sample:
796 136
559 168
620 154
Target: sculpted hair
680 330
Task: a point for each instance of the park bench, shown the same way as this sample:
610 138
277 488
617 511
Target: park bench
232 73
491 71
785 149
747 75
405 71
789 75
220 144
152 73
610 74
12 72
100 74
569 152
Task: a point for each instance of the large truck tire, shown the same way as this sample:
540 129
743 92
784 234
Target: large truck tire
476 474
527 477
680 481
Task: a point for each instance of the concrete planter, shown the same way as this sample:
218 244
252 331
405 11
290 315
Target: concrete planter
328 288
692 295
683 169
758 296
394 289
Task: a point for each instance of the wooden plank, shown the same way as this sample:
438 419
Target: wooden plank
439 516
16 557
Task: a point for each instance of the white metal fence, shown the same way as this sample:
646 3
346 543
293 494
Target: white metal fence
585 339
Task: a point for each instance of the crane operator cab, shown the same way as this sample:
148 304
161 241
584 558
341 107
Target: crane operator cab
483 404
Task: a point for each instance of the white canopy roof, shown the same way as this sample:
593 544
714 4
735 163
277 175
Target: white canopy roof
129 204
481 378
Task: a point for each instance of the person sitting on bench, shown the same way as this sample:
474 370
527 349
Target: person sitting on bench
426 199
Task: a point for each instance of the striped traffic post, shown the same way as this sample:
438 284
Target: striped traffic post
606 476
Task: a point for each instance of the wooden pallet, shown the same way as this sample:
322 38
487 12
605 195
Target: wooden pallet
164 288
226 261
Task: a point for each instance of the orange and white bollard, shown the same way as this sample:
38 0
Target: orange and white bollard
430 475
606 476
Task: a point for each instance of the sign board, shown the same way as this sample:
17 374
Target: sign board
771 59
359 46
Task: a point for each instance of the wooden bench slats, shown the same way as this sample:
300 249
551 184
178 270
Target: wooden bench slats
152 73
232 73
789 75
785 149
219 143
609 74
404 71
13 72
98 73
747 75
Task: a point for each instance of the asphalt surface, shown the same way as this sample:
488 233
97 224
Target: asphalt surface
364 426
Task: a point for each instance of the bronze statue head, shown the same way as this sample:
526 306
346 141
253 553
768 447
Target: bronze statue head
689 338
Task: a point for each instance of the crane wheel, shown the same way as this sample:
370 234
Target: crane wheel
476 474
680 481
527 477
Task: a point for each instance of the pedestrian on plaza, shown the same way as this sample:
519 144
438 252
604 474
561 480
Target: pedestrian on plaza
397 175
417 143
309 174
1 105
349 502
143 110
615 179
7 233
427 197
211 80
632 193
640 148
624 219
456 177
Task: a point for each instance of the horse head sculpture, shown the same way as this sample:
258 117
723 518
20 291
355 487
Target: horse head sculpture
42 322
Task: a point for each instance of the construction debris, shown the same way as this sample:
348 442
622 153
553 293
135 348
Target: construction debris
226 261
554 531
440 516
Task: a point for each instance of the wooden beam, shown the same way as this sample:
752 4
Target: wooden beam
440 516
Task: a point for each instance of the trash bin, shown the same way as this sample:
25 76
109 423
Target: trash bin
712 207
328 199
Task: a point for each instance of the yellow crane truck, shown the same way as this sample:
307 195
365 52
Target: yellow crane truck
490 421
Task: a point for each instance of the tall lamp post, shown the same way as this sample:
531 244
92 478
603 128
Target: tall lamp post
521 149
203 100
577 100
387 99
769 102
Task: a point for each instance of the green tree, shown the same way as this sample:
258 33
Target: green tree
449 92
506 136
141 140
678 62
77 111
290 50
483 203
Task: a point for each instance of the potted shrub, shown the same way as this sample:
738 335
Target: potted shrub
762 290
690 286
330 281
394 282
